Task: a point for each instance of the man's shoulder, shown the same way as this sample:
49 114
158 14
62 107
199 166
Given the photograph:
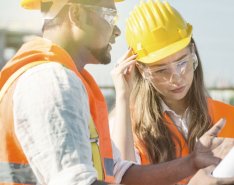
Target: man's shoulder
53 77
49 71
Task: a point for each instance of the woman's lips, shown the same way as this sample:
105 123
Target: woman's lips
178 90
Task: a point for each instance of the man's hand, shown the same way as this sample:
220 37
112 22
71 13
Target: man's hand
204 177
103 183
210 149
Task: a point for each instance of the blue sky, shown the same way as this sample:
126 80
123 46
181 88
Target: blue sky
213 30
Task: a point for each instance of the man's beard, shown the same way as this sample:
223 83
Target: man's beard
102 55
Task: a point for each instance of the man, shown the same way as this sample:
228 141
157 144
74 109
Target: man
55 100
50 106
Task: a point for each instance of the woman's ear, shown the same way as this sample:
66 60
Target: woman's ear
76 15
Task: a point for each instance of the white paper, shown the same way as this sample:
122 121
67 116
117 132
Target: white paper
225 168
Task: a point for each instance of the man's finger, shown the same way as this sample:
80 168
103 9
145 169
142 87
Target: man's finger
214 131
208 170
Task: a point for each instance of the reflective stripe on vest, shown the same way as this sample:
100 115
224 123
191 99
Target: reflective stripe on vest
97 161
108 163
17 173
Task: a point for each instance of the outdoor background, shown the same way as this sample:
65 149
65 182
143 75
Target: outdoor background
213 30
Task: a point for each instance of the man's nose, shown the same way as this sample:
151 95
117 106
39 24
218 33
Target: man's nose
116 31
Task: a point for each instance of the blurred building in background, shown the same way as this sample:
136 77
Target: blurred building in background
10 42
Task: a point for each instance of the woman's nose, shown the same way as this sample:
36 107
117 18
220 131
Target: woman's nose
175 78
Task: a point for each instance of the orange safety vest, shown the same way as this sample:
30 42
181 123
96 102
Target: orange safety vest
14 167
217 110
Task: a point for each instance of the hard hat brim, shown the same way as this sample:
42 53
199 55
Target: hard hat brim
36 4
166 51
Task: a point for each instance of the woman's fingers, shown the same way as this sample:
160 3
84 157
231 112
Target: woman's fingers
126 55
125 66
126 60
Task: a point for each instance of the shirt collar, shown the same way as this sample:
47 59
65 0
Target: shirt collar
167 109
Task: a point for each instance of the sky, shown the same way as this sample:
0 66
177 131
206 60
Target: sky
213 30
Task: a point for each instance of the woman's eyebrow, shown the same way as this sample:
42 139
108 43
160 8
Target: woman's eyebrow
161 65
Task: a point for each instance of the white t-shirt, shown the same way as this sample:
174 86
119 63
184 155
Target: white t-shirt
181 121
51 118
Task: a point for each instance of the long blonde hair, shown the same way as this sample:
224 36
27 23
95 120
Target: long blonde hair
150 130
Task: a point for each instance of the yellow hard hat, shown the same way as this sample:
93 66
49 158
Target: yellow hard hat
36 4
155 30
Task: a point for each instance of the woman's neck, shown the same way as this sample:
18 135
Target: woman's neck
178 106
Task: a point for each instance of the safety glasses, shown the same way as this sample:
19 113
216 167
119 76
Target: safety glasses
108 14
164 73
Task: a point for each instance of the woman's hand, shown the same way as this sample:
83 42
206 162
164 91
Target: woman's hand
123 73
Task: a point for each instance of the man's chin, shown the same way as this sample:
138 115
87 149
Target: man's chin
106 59
102 55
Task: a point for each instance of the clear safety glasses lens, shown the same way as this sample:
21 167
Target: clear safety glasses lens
178 67
108 14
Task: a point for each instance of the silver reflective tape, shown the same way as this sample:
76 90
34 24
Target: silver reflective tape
16 173
109 166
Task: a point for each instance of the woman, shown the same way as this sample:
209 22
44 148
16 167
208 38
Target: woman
169 106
